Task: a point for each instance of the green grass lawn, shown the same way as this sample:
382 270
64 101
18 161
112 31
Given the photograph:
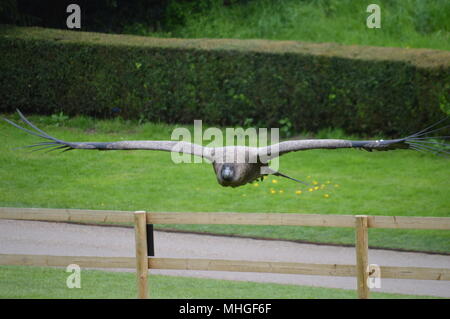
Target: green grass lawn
401 183
38 282
406 23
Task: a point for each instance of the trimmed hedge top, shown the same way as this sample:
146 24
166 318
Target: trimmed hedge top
416 57
261 83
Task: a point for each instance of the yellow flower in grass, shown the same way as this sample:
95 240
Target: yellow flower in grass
272 191
316 188
326 195
315 182
256 184
281 191
274 181
310 189
298 192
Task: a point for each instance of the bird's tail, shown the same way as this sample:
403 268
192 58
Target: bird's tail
291 178
266 170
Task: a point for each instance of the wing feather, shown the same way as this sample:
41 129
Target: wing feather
168 146
417 141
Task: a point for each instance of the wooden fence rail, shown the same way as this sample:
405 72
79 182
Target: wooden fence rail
273 219
143 262
337 270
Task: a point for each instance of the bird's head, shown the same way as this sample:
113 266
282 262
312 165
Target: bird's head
236 174
227 172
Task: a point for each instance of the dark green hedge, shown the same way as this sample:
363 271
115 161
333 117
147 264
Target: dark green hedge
226 82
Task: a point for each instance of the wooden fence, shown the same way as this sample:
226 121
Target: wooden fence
143 262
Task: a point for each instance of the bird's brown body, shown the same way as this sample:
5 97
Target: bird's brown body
244 173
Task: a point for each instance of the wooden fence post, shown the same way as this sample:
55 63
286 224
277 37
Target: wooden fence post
140 221
362 256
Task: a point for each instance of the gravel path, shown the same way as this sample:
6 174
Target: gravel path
27 237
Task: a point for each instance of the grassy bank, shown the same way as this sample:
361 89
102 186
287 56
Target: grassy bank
406 23
401 183
38 282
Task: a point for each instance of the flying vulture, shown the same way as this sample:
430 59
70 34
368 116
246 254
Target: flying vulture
238 165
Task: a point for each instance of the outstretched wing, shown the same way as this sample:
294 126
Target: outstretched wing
53 143
418 141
